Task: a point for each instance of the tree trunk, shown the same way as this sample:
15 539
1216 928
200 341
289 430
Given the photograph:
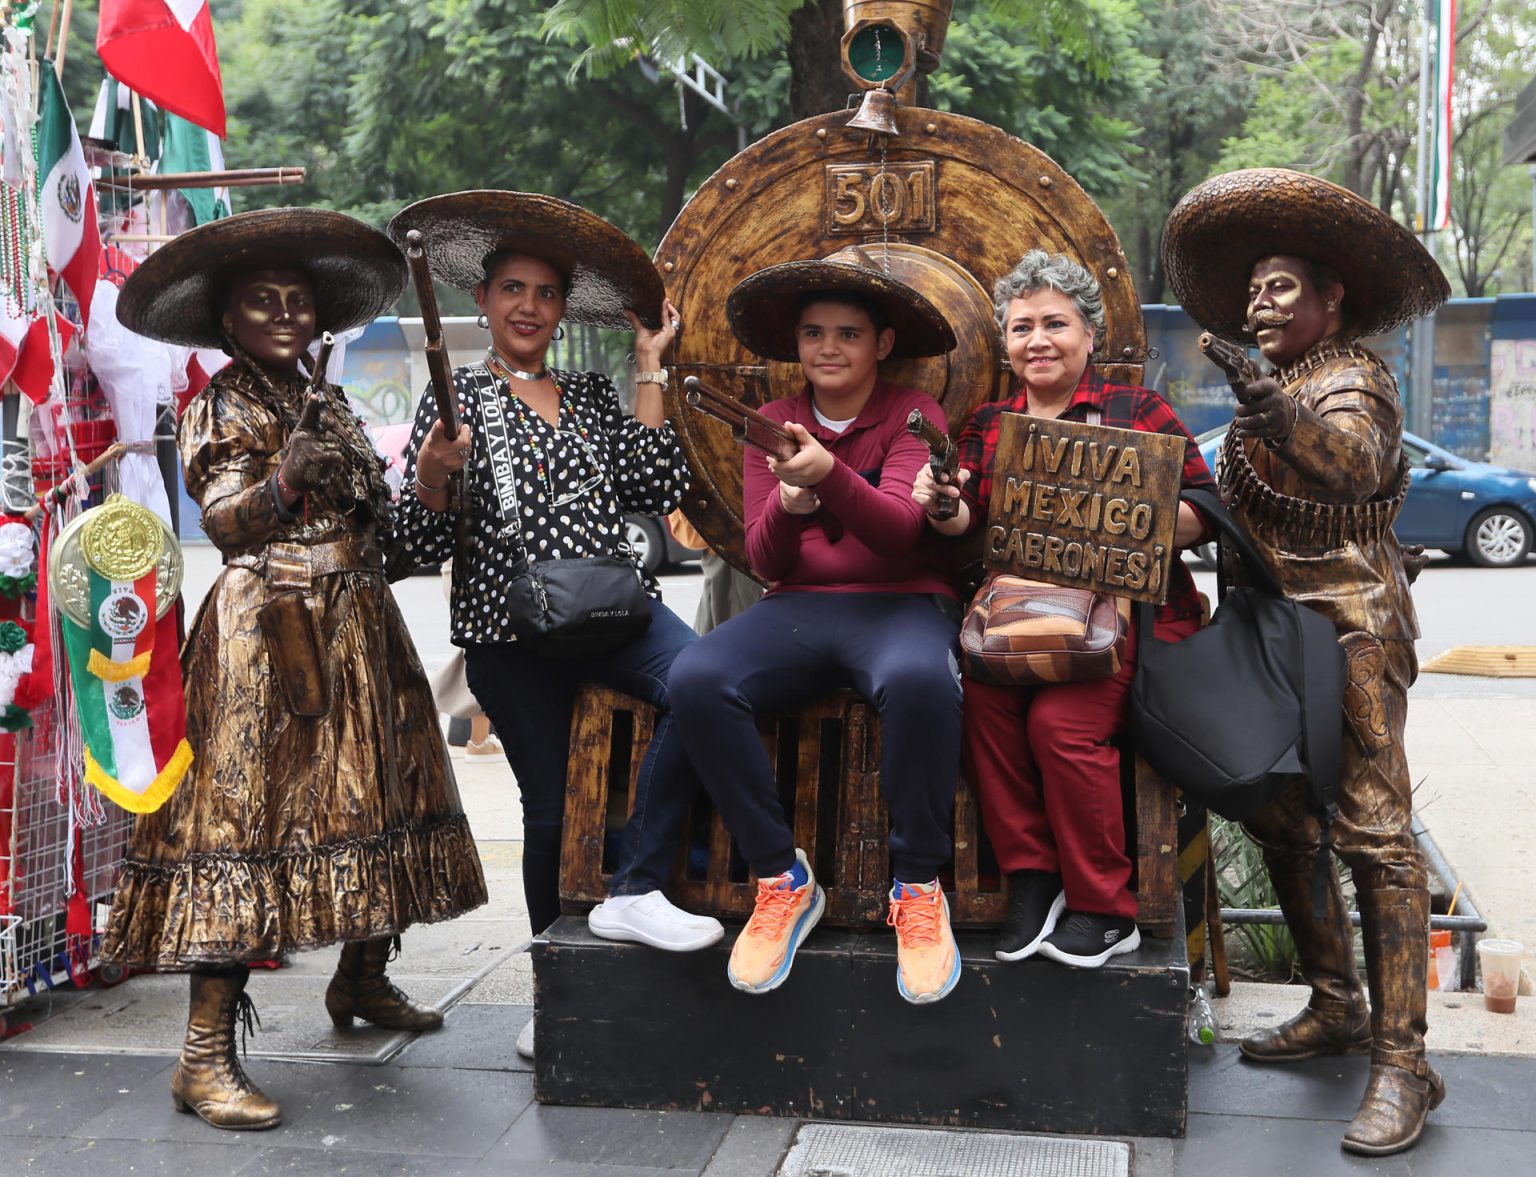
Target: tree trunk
816 80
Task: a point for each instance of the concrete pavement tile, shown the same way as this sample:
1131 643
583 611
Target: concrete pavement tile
753 1147
473 1038
96 1158
146 1112
507 984
1222 1083
53 1094
1487 1093
613 1136
537 1167
334 1162
415 1111
1221 1146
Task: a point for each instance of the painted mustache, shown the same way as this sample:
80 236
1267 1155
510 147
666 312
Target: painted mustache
1267 317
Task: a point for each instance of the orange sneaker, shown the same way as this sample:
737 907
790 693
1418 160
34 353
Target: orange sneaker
783 917
927 959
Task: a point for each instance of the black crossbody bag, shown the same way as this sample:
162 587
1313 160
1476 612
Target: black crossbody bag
570 608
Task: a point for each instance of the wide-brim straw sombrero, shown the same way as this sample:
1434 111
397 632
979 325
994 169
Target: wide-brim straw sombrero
606 270
764 309
1222 227
178 294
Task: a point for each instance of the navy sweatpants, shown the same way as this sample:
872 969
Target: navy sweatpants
894 649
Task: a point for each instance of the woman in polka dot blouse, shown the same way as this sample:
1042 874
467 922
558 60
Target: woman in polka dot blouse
576 464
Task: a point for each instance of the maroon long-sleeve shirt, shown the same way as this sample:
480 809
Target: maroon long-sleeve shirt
887 546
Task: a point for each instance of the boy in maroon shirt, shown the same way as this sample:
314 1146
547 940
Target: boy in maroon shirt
872 609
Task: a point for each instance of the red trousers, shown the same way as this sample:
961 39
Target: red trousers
1048 779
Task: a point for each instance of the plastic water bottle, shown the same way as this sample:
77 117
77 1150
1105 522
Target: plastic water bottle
1202 1019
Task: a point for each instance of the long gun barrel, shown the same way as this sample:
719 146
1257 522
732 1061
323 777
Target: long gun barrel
943 458
750 427
1231 359
314 398
437 353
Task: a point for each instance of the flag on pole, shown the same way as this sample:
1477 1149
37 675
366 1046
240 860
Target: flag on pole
164 49
71 238
1442 35
34 368
190 148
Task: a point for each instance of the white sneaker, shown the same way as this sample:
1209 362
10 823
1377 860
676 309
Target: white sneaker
525 1040
651 919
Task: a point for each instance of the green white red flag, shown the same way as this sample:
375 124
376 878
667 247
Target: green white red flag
71 238
164 50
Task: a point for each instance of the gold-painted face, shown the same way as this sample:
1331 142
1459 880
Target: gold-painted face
1287 314
271 314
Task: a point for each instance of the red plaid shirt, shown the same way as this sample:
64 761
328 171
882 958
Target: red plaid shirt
1122 406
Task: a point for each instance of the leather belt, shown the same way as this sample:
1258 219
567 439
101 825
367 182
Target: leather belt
288 565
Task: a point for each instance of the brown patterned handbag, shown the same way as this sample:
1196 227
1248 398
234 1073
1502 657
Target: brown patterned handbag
1025 633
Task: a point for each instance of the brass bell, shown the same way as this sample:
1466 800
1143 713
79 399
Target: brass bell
877 113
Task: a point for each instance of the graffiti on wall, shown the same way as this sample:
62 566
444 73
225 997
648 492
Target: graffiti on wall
1512 403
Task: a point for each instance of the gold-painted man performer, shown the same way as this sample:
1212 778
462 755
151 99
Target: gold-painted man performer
1313 470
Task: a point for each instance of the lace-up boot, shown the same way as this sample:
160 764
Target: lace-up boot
361 990
208 1078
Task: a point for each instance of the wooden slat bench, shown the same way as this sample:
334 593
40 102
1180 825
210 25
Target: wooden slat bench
826 757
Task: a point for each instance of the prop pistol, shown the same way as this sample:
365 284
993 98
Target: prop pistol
314 397
1231 359
750 427
437 353
943 459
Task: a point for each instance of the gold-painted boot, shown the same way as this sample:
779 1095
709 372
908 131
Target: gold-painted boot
361 990
208 1078
1403 1088
1336 1020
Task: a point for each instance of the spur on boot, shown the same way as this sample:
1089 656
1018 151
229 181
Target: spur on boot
361 990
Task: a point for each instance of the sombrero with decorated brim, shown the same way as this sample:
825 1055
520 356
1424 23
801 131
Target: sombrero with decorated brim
764 309
606 270
1222 227
178 294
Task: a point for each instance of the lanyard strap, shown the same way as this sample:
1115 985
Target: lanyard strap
498 447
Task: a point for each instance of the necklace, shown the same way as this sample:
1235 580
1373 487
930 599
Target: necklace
499 367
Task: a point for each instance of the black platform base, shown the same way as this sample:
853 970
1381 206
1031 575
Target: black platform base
1029 1046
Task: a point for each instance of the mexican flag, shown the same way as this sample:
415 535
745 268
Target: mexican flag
189 148
34 369
164 49
70 235
126 677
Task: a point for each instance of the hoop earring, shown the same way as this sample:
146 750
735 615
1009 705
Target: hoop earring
483 322
559 333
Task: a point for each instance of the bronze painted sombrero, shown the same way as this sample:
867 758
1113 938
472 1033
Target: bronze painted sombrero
177 295
1222 227
606 270
764 308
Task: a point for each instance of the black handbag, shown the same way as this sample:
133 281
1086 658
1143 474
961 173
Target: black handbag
579 607
1235 712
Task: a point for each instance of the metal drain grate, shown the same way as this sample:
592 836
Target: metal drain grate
842 1150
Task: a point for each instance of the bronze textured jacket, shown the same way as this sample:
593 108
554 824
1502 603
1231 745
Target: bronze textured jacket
316 811
1320 505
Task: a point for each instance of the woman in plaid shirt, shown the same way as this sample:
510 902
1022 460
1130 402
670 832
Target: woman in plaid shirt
1041 758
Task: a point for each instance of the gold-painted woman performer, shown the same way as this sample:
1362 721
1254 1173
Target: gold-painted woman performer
321 807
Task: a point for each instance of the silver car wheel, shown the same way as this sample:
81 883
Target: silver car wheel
1499 538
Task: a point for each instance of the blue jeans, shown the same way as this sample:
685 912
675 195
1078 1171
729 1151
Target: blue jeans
894 649
529 699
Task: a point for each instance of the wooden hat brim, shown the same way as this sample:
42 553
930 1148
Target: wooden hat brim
1222 227
764 308
606 269
178 293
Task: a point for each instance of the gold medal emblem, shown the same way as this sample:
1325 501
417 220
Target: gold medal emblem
122 540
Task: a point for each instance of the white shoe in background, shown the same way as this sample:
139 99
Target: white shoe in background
652 919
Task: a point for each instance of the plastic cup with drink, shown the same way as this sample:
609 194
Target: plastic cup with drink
1500 960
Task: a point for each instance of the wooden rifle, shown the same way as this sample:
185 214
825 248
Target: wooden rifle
437 352
943 459
750 427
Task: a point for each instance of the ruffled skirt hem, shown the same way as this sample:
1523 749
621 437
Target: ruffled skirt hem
228 908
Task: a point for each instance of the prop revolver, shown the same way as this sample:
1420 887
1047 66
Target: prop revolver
314 396
1231 359
750 427
943 459
437 353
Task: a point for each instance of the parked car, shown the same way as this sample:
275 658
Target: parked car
1481 512
649 535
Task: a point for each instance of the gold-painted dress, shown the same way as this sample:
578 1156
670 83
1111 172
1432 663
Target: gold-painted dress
294 832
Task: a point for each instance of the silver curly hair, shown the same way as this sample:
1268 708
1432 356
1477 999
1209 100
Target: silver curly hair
1037 271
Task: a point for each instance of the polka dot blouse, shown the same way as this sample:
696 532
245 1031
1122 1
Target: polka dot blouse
574 485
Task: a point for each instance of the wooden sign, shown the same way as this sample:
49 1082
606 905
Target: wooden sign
1085 506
